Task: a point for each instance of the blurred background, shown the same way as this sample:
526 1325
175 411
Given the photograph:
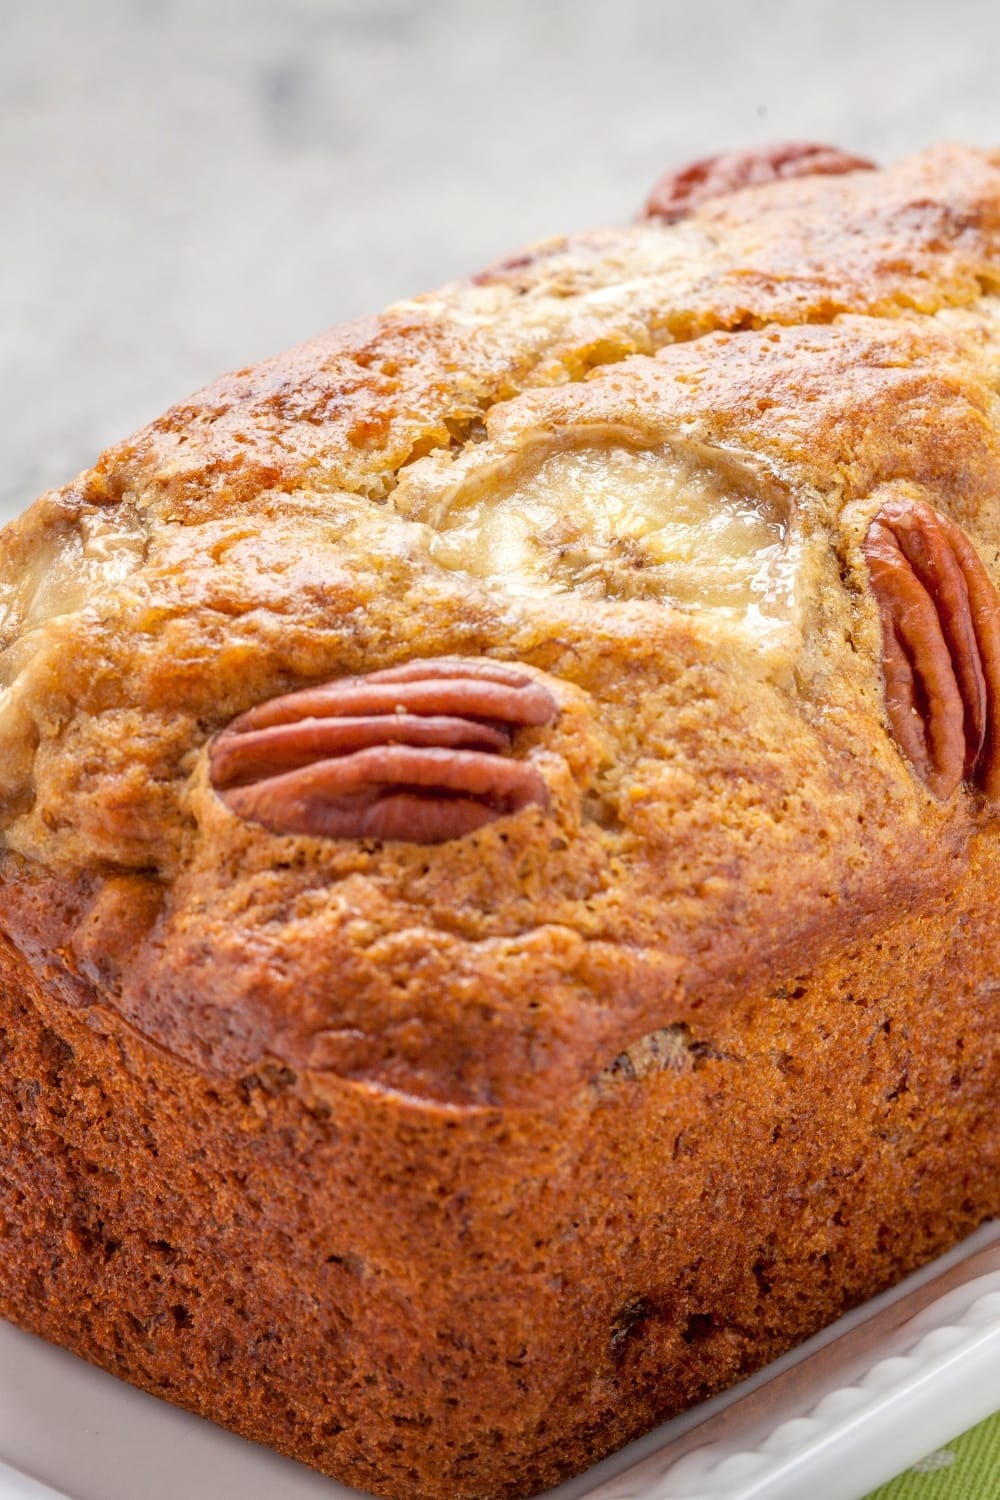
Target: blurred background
189 185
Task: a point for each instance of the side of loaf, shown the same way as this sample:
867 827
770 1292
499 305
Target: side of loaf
500 850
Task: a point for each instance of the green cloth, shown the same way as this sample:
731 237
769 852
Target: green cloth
966 1469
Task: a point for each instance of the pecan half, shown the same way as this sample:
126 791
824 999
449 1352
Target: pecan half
412 753
940 615
677 193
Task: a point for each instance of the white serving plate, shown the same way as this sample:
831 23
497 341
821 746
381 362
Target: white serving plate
835 1418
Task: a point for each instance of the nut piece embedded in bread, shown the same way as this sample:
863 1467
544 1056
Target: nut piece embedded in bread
940 616
409 754
498 885
678 192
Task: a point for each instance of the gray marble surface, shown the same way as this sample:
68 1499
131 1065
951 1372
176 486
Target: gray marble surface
188 185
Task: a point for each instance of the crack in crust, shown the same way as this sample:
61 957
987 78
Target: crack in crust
410 753
940 616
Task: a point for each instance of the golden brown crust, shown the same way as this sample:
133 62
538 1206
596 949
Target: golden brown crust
348 409
719 790
647 830
371 1284
669 784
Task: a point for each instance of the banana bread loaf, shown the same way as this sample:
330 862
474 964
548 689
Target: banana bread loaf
499 864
